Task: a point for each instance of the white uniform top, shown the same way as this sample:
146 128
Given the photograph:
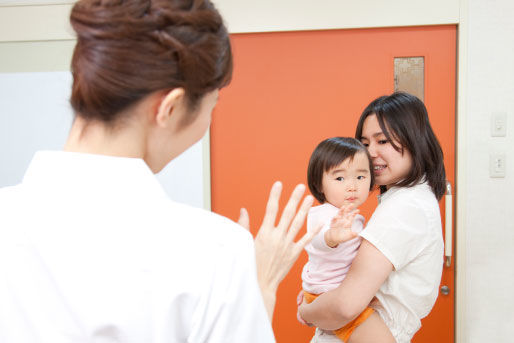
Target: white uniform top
406 228
92 250
327 267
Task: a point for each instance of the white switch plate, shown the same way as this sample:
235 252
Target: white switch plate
497 165
499 124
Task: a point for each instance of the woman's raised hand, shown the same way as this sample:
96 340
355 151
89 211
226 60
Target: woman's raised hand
275 246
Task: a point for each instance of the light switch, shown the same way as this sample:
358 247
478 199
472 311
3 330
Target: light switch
499 124
497 165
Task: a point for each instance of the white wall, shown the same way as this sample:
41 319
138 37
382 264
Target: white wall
489 229
284 15
35 114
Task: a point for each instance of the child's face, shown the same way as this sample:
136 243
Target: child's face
389 165
349 181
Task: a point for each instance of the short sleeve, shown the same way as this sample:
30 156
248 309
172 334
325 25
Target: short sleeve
314 220
399 229
318 242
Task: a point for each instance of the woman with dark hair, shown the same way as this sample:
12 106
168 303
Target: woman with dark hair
92 250
400 259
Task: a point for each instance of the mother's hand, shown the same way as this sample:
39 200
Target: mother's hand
275 248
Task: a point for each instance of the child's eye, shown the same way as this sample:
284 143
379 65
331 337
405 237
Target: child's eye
361 177
383 141
340 178
365 144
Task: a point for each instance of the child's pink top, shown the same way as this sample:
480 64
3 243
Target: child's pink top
327 266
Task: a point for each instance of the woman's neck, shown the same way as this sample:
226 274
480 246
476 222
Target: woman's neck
95 137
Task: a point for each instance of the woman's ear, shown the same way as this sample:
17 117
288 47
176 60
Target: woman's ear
170 103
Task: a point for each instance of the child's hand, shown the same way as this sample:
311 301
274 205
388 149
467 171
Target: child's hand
341 226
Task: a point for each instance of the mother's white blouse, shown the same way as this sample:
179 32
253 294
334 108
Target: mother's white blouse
406 228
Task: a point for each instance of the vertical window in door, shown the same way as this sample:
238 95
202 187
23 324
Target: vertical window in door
409 75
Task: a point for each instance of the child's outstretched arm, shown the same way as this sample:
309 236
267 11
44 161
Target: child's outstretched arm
341 226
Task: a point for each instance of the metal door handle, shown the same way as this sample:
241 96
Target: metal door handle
448 227
445 290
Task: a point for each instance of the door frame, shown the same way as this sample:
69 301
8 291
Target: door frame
41 26
371 14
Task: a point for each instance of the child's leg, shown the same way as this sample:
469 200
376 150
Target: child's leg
372 330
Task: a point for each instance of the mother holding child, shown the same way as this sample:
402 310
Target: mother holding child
378 286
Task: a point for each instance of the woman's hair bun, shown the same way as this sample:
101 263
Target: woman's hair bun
127 49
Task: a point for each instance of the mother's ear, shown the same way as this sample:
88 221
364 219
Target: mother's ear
171 103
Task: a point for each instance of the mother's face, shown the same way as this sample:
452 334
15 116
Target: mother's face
389 165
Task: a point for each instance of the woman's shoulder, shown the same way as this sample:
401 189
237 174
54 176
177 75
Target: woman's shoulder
12 205
417 196
9 193
405 225
415 208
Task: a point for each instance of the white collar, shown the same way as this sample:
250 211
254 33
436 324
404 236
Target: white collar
395 189
51 168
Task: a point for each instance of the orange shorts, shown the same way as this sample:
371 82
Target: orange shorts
345 332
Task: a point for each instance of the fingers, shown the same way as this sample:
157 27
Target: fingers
300 319
272 205
344 217
244 219
334 222
345 209
290 209
290 216
300 216
307 238
299 298
347 220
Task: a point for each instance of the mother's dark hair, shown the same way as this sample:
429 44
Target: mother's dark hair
128 49
404 117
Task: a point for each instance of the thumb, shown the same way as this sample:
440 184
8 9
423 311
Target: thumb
244 219
299 298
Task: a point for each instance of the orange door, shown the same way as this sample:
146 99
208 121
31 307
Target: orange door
290 91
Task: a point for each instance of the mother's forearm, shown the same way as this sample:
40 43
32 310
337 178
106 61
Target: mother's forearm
337 307
327 312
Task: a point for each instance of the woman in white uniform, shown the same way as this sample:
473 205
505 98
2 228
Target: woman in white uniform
399 262
91 248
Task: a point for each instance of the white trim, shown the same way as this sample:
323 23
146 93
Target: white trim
22 57
11 3
460 232
35 23
271 15
50 21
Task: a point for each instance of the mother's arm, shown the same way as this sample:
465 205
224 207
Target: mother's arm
333 309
